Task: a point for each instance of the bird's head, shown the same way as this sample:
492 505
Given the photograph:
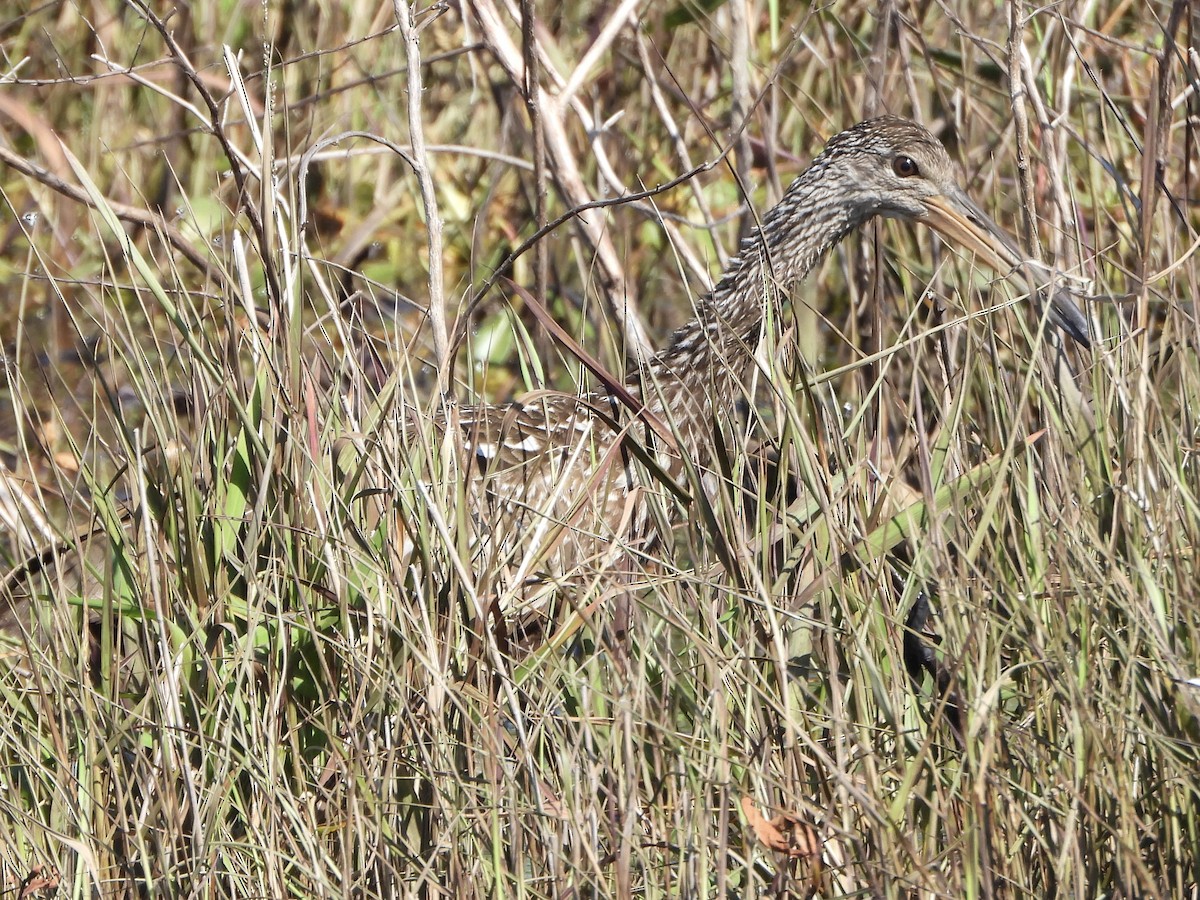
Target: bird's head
899 170
895 166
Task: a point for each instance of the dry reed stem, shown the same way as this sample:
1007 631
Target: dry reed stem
419 162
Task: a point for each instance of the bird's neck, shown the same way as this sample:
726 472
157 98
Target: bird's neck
702 372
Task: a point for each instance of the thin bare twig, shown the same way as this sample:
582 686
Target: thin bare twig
124 212
681 150
218 131
502 269
567 174
419 161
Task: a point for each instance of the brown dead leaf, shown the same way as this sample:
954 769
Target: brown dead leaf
66 461
785 833
38 880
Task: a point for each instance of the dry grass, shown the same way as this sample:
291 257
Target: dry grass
214 318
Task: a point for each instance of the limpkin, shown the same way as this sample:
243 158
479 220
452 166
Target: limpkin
552 479
554 472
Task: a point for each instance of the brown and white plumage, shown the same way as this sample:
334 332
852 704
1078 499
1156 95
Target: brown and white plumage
555 479
557 461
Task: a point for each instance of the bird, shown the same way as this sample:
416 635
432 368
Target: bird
554 482
552 476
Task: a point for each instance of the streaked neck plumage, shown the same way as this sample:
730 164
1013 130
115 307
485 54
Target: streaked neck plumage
702 371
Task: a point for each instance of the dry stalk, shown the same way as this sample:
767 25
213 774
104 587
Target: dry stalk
529 48
1017 96
743 102
419 161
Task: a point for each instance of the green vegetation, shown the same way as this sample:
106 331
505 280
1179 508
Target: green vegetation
222 353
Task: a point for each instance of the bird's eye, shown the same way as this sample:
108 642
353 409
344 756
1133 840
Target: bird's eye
905 167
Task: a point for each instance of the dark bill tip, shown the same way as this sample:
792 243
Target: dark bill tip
1069 318
960 219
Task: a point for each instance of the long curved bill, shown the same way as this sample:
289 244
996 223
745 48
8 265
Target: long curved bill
957 217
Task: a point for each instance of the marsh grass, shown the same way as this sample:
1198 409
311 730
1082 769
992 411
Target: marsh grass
219 366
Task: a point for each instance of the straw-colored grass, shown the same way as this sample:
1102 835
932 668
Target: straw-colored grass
238 253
